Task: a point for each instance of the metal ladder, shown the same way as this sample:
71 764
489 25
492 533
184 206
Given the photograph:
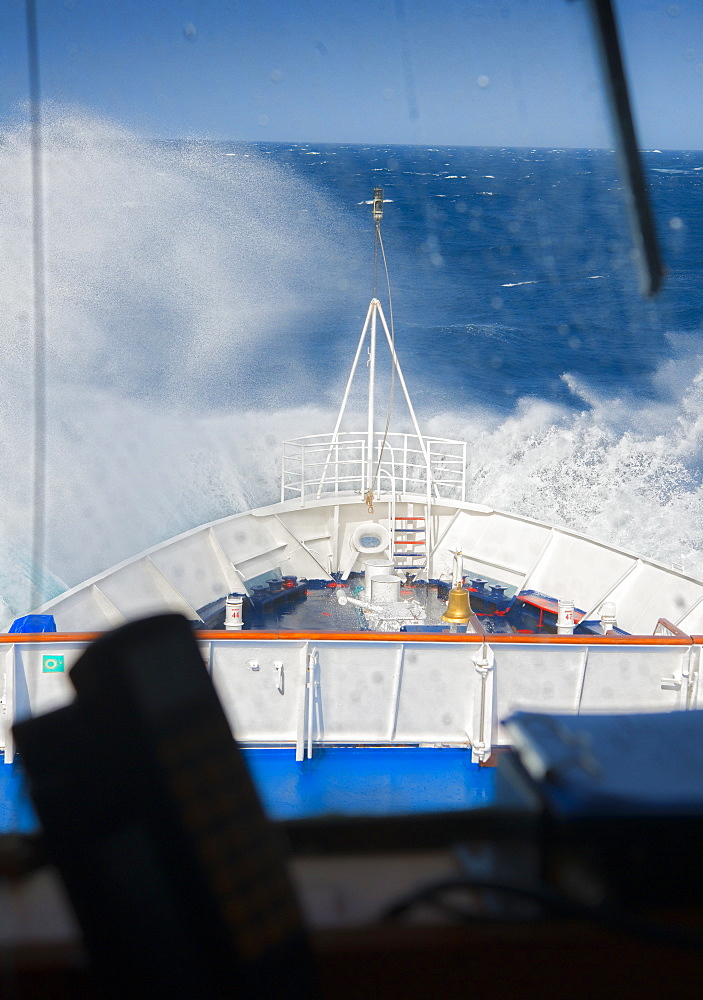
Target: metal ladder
410 543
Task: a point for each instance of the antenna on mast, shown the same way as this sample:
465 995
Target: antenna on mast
377 205
377 216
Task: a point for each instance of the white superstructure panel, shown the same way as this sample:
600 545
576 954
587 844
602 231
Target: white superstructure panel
338 691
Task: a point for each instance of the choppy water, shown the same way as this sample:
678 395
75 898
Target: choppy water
204 301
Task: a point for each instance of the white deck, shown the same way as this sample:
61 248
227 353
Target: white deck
190 572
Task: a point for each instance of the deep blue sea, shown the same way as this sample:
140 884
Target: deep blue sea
510 267
205 300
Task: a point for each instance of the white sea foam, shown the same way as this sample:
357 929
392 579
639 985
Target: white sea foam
618 470
622 472
173 278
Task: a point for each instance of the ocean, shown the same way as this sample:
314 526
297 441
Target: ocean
205 299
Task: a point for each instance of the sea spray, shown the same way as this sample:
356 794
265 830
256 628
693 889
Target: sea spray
628 475
175 276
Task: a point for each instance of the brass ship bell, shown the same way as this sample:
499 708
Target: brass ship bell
459 607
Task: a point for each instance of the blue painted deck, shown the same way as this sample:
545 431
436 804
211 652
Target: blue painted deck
347 781
16 812
352 781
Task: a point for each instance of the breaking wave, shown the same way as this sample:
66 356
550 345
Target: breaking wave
624 473
175 276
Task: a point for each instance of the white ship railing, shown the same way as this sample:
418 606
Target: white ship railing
322 464
387 689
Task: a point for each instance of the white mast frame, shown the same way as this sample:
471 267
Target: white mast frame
375 311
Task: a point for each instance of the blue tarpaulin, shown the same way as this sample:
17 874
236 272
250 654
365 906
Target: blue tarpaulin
33 623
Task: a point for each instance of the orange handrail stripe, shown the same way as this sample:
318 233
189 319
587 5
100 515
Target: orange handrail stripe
419 637
19 637
406 637
673 629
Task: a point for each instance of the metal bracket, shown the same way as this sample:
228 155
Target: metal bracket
481 743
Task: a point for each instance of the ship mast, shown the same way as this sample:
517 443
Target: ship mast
374 314
377 217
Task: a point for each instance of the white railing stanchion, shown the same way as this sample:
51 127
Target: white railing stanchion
432 467
301 704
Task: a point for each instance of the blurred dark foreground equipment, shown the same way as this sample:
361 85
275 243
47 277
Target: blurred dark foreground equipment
587 867
149 813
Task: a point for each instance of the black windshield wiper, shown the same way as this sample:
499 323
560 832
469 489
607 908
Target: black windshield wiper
639 210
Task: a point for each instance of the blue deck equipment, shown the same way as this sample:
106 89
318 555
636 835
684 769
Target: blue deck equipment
33 624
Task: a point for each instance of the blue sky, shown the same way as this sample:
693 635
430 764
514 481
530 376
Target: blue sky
465 72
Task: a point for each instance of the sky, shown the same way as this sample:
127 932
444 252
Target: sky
454 72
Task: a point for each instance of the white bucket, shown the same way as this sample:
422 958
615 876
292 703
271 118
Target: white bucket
565 617
233 612
376 566
385 589
608 617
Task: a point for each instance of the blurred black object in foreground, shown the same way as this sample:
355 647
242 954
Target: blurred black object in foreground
619 793
151 816
593 841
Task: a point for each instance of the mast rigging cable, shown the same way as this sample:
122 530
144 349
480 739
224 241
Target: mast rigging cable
38 504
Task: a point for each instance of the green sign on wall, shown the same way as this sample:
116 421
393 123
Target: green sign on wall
52 664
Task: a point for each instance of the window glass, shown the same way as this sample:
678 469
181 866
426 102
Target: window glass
209 258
